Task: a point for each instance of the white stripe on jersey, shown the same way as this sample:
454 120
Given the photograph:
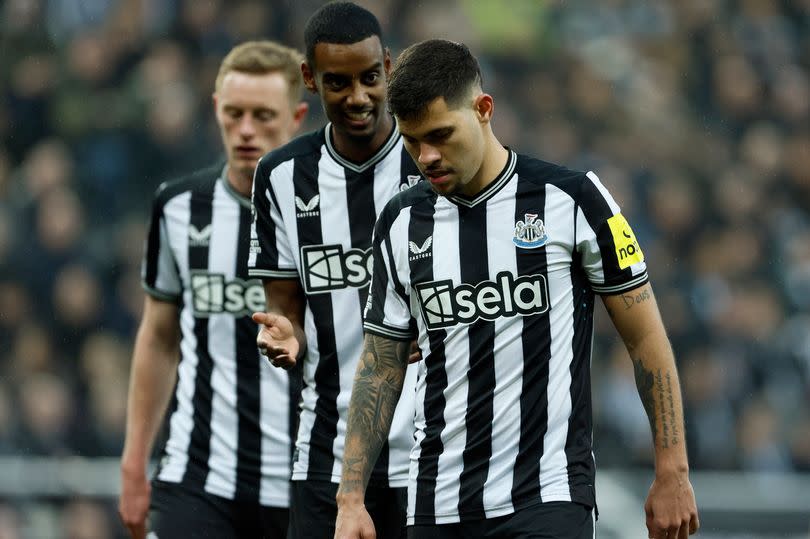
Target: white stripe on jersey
221 479
553 473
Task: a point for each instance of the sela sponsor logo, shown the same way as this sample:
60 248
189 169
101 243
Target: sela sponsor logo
628 251
329 267
307 209
444 304
199 238
530 233
420 251
212 294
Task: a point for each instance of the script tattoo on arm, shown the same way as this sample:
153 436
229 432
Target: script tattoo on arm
655 390
632 299
377 386
644 384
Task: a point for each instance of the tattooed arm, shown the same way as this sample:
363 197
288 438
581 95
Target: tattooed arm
670 506
377 386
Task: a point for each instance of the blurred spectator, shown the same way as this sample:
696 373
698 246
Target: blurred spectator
86 519
10 522
47 409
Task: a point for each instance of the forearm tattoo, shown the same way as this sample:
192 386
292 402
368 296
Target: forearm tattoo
655 390
377 386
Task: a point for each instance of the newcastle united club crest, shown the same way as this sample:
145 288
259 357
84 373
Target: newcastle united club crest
530 233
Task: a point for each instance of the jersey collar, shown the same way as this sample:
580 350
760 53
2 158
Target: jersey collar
239 197
387 146
490 190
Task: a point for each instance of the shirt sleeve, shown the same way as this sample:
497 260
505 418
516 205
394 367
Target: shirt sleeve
159 272
270 251
605 242
387 313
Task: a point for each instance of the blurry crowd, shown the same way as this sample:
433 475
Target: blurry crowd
695 114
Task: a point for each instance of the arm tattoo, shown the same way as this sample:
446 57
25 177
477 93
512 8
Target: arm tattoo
377 386
630 300
655 390
644 384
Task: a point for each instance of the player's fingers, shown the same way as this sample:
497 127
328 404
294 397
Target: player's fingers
694 524
683 531
414 357
267 319
138 531
284 361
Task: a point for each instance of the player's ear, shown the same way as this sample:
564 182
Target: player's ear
214 101
484 106
299 113
309 78
387 62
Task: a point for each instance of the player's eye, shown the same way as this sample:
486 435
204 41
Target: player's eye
334 84
371 78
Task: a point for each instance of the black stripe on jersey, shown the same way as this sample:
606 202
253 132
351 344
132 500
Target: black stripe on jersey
536 338
578 449
597 212
421 226
481 374
200 445
248 382
327 373
153 246
362 216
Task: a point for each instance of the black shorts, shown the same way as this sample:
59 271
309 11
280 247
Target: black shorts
552 520
176 511
313 510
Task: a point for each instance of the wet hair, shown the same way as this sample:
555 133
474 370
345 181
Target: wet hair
262 58
343 23
429 70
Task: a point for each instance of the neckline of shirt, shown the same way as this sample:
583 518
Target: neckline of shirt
378 156
490 190
236 195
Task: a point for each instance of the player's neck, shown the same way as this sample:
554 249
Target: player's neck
494 161
361 150
240 181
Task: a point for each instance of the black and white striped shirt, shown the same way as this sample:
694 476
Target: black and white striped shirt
501 287
313 220
226 435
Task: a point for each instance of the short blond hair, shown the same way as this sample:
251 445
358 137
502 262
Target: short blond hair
264 57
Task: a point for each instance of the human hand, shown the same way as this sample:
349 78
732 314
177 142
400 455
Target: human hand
671 508
276 339
133 504
416 352
354 522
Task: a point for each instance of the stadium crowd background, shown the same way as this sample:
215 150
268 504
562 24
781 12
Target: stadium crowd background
695 113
